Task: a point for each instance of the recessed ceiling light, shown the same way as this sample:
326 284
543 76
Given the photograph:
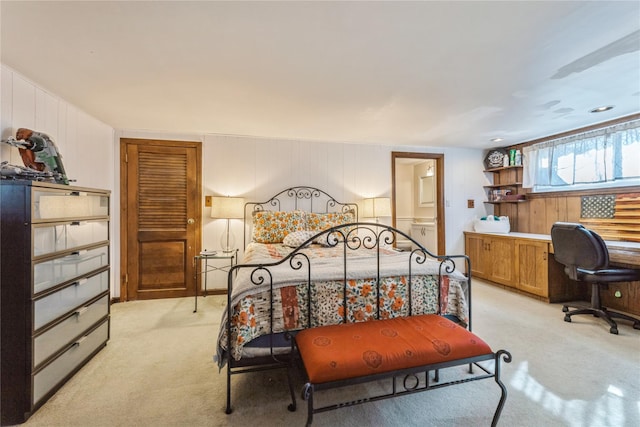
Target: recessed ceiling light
601 109
497 139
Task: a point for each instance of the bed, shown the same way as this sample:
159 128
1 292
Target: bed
303 247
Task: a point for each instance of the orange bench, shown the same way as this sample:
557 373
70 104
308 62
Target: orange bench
353 353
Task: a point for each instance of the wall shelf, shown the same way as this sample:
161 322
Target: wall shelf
513 184
503 168
497 192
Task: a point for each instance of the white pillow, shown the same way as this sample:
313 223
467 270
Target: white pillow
297 238
328 240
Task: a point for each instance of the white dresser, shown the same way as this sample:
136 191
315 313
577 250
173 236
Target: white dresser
54 289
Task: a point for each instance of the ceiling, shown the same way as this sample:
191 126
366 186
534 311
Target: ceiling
455 73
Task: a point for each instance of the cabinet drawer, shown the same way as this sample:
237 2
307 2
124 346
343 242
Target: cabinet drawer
60 335
55 204
47 274
59 237
52 306
45 380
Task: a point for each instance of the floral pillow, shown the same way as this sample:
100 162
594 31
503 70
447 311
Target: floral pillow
297 238
318 222
274 226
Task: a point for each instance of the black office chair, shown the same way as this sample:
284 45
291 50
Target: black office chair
586 259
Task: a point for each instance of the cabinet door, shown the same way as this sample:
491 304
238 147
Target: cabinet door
532 267
501 261
425 234
476 249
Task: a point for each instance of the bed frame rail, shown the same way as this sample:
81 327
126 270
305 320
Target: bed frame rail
349 238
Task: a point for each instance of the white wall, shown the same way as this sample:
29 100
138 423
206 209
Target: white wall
404 197
257 168
86 144
252 167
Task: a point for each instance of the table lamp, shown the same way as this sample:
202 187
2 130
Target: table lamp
227 208
376 207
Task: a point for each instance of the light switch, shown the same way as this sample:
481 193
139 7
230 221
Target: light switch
470 203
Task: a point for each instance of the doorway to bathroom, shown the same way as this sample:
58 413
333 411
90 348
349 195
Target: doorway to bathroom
417 198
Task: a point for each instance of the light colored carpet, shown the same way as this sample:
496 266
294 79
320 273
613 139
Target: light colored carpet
157 370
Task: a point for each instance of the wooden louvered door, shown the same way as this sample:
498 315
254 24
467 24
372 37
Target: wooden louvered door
161 218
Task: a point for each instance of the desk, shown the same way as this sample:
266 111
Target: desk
205 258
626 253
525 262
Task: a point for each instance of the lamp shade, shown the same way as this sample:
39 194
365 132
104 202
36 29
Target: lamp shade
227 207
376 207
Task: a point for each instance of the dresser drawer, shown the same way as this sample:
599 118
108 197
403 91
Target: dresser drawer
47 274
51 375
73 326
57 304
55 204
59 237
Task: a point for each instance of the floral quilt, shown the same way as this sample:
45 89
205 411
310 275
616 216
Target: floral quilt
292 293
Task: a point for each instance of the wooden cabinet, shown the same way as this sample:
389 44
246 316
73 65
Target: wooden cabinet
491 257
54 289
501 260
523 262
532 266
476 250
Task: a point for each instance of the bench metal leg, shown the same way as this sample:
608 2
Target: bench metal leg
293 405
307 394
506 356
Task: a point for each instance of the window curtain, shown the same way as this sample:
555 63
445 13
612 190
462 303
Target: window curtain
603 155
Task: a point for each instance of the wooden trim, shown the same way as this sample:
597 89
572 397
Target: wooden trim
215 292
439 159
123 222
123 201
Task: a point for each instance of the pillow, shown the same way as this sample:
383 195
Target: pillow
318 222
274 226
297 238
328 240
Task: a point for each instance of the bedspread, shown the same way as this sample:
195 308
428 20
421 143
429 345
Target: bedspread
251 303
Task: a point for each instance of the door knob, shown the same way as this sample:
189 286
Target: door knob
191 221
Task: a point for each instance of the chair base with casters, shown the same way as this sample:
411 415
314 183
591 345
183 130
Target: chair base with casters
586 259
598 310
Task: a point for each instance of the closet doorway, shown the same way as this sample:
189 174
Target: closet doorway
417 197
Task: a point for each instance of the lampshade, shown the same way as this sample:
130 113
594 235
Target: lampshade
376 207
227 207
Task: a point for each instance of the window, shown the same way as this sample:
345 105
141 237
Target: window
607 157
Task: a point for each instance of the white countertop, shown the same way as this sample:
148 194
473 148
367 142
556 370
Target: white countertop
621 252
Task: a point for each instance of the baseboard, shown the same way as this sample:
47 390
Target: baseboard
216 292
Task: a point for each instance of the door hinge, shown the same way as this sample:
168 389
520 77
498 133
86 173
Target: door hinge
126 157
126 278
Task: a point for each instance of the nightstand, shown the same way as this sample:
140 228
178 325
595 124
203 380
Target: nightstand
205 258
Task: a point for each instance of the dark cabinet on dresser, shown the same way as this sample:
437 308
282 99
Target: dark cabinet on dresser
54 290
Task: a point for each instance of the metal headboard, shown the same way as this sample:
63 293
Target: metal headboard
305 198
